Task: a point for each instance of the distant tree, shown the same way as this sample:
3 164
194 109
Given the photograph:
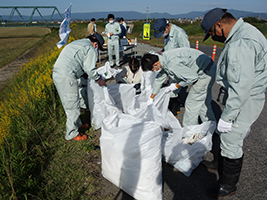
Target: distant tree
252 20
101 19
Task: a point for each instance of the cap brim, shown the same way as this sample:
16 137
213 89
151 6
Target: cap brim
100 40
207 35
101 47
158 34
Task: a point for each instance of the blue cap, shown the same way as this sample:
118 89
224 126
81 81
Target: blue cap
210 19
100 41
118 19
159 27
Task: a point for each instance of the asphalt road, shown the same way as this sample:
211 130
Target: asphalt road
253 180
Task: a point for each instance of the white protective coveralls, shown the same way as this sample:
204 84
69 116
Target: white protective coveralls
190 66
125 26
113 42
76 58
177 38
242 72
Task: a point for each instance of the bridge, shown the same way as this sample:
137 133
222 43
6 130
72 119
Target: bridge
29 22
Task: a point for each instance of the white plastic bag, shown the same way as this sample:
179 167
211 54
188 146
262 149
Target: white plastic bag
123 95
107 72
105 101
186 157
131 153
147 81
101 104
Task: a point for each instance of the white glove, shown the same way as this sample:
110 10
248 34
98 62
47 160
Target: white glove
172 87
149 102
224 127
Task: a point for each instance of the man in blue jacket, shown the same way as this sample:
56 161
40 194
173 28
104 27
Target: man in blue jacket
242 71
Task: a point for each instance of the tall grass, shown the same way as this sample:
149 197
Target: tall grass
36 162
28 114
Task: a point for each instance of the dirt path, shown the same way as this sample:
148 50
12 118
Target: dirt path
9 70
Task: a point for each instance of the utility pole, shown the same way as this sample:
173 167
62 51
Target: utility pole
146 14
146 28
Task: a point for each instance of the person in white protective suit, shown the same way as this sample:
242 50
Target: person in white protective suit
242 71
174 37
112 30
77 59
186 66
131 74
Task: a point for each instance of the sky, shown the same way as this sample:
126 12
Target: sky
169 6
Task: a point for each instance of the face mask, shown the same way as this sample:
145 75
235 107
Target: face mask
111 22
219 38
159 70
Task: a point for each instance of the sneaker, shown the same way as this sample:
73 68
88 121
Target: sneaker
80 137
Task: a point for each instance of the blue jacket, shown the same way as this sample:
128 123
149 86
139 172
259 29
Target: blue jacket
123 31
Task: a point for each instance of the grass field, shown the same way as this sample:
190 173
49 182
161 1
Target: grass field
36 162
17 40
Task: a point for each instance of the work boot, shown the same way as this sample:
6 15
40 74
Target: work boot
80 137
217 163
231 172
86 126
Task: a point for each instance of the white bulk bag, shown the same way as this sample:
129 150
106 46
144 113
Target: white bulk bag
104 101
100 103
161 101
186 157
131 153
123 95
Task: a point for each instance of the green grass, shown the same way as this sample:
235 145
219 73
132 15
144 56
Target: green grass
36 162
12 32
17 40
194 32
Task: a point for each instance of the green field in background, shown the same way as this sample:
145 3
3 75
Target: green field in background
17 40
